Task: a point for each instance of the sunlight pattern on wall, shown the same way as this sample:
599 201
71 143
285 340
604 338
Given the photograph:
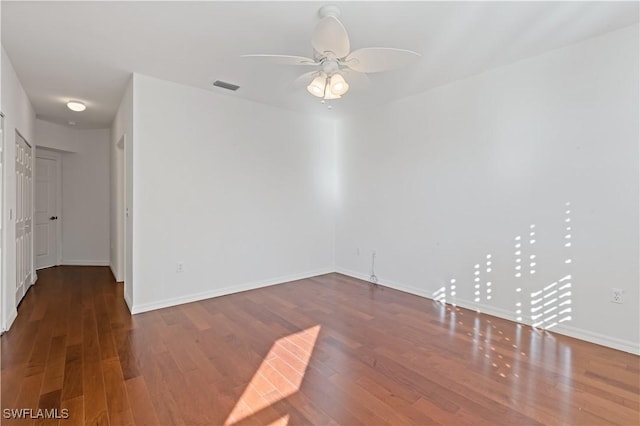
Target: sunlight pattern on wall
551 305
487 284
476 282
545 307
479 289
452 289
440 295
532 257
518 276
567 236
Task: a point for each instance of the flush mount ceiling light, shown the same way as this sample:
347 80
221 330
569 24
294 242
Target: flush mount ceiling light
334 60
76 106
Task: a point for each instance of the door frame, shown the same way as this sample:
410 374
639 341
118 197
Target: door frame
124 209
121 209
2 224
49 154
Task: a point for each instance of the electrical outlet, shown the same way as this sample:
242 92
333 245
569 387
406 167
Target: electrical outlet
179 267
616 295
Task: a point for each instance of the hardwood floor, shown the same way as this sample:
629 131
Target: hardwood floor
326 350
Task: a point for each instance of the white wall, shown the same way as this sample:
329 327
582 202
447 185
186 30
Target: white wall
57 137
240 192
122 131
436 182
85 201
84 192
20 116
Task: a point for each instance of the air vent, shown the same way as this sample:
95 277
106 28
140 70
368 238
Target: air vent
226 85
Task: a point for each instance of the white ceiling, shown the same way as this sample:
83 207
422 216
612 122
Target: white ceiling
87 50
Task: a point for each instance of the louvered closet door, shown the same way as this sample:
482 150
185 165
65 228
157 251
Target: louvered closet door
23 216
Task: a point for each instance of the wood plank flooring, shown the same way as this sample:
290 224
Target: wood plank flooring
326 350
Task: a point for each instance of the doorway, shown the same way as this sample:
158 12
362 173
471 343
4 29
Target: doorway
47 209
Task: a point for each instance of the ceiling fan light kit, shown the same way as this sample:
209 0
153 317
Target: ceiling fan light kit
337 85
328 87
318 85
333 56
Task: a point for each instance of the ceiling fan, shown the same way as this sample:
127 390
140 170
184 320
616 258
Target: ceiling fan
334 60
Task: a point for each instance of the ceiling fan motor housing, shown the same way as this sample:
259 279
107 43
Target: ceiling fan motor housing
330 66
329 10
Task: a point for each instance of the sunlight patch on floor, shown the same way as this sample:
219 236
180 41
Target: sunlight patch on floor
279 376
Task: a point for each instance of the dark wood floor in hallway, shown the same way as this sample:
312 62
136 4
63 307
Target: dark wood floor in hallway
326 350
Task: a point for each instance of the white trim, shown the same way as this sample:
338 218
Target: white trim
3 226
352 274
113 272
128 302
34 278
491 310
10 319
121 214
566 330
226 290
597 338
73 262
59 211
45 267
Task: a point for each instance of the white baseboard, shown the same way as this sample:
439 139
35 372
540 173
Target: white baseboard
10 319
128 303
353 274
567 330
597 338
115 276
226 290
73 262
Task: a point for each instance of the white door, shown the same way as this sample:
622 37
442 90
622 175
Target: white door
46 212
24 218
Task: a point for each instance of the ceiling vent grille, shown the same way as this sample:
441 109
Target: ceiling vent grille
225 85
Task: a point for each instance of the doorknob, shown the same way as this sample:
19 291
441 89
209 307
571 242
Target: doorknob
53 218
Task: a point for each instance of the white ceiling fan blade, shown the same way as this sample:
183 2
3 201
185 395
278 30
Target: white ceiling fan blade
305 78
331 36
378 59
356 80
284 59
